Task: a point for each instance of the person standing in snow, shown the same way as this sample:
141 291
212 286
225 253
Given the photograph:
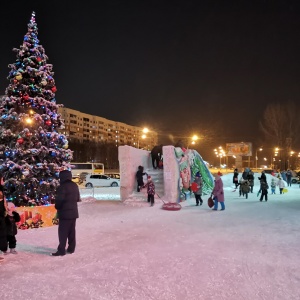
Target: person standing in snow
235 178
281 185
289 177
251 180
273 185
150 190
218 192
11 219
67 196
139 177
264 190
3 212
198 180
244 187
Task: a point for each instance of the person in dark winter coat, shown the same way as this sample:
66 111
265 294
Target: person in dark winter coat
245 173
3 211
150 190
263 176
67 197
156 155
139 177
264 190
235 178
289 177
198 193
11 219
244 187
251 180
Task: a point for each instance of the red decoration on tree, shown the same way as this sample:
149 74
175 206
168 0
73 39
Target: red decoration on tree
54 89
20 140
48 122
25 97
39 59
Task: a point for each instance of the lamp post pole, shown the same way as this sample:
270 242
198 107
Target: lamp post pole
256 158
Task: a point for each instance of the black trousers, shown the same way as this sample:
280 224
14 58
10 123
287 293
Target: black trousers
155 161
151 199
12 242
198 199
264 194
66 232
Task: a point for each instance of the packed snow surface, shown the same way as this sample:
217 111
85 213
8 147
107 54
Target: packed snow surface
249 251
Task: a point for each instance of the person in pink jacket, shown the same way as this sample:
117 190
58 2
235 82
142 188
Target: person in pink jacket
218 192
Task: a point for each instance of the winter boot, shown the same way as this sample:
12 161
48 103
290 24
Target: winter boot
13 251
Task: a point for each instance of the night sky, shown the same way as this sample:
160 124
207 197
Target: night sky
176 66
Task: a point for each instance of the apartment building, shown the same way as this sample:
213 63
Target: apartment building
85 127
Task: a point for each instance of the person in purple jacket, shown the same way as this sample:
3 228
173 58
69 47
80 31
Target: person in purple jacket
218 192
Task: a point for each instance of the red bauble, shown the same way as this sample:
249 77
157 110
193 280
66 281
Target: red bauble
39 59
25 97
54 89
48 122
20 140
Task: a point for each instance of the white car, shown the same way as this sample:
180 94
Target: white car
94 180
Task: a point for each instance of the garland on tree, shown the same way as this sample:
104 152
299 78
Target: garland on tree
32 151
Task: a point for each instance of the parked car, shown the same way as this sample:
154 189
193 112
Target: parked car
94 180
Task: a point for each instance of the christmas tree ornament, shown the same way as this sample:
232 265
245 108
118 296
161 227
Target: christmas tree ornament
19 76
20 140
44 82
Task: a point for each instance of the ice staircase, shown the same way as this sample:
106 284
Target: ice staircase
140 198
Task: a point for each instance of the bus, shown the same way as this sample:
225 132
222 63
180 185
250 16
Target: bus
78 169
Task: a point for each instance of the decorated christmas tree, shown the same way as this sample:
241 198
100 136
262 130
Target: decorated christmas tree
32 151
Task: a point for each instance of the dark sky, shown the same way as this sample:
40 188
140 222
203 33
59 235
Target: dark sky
170 65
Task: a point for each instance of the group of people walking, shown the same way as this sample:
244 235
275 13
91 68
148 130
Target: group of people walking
246 183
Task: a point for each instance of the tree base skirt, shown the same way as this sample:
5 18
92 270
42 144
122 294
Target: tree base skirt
171 206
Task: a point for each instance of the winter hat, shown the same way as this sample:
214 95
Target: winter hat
149 178
219 173
198 174
11 207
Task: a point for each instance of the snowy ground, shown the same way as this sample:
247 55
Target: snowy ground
249 251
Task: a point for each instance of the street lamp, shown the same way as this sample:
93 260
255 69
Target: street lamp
143 136
194 139
220 153
256 158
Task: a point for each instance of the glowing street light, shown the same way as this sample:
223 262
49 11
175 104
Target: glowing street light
220 153
143 136
194 139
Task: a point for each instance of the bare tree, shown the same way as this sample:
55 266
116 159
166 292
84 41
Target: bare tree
281 122
281 126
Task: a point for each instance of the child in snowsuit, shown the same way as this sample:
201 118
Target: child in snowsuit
281 185
198 180
244 187
11 219
273 185
150 190
264 190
